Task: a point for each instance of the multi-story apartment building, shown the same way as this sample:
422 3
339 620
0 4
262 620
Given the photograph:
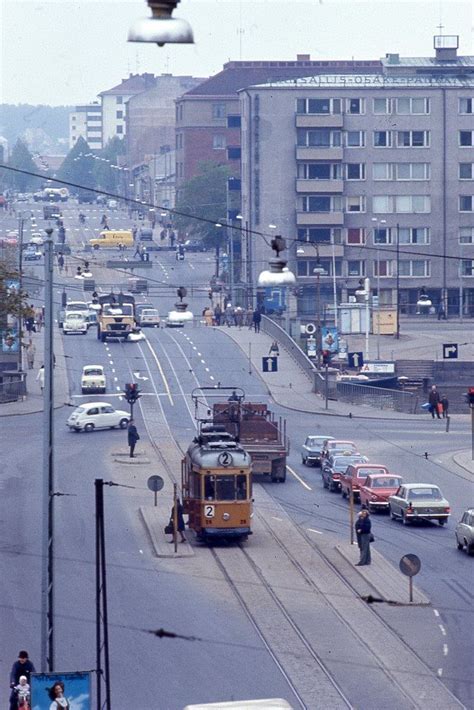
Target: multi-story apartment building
367 175
86 121
114 103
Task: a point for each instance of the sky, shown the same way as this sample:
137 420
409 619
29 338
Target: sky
64 52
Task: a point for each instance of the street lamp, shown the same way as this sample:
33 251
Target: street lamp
376 238
180 315
161 27
278 274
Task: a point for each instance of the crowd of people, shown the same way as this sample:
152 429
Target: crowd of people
230 316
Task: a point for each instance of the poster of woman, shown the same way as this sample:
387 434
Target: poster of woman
10 341
61 691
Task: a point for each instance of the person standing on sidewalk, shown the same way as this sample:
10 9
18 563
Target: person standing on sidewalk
30 354
363 528
445 405
132 436
256 320
434 400
40 377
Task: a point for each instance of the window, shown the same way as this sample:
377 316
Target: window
355 236
317 203
318 106
466 235
381 171
119 114
355 106
355 204
218 142
382 204
465 138
414 204
413 139
466 171
234 153
382 268
319 138
355 139
233 121
320 235
466 203
382 139
381 106
408 105
319 171
355 171
414 268
414 235
412 171
119 129
119 99
356 267
382 235
218 111
467 267
465 105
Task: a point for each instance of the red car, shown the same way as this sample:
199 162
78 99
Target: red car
377 488
355 476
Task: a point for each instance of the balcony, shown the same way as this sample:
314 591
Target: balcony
314 219
307 152
319 120
309 250
316 186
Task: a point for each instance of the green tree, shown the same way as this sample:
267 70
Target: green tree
108 177
21 158
205 197
13 300
78 167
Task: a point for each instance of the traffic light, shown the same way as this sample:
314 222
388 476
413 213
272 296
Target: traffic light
326 357
132 392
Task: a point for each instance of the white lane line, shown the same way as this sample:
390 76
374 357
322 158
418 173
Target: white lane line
318 532
111 362
445 649
199 353
298 478
203 362
211 377
440 672
435 612
207 369
194 347
113 369
155 357
118 389
140 551
442 629
275 518
116 379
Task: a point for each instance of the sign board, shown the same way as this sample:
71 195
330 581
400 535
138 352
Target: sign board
311 347
77 689
355 359
155 483
379 368
269 364
410 565
310 329
450 351
330 339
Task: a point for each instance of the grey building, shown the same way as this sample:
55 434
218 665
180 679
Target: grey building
366 175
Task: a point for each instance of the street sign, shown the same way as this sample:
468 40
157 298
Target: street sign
450 351
410 565
355 359
311 347
379 368
269 364
155 484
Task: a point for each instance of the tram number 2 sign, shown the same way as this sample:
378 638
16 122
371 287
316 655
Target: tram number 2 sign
225 459
209 511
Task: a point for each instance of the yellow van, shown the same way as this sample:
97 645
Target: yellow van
112 238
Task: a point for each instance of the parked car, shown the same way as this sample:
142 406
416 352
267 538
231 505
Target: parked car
93 379
419 501
146 234
97 415
335 466
354 477
332 446
312 449
194 245
149 317
465 532
377 488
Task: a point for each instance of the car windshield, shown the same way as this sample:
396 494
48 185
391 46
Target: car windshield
386 482
124 310
342 462
73 316
79 410
425 493
314 440
93 371
364 472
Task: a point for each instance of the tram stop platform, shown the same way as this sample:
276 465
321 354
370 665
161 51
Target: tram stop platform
155 519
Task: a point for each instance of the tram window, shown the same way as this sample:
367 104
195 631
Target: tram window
225 487
241 482
209 487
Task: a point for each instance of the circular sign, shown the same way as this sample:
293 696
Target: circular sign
225 459
310 329
155 483
410 565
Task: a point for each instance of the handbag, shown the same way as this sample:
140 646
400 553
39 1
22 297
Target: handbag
169 529
371 537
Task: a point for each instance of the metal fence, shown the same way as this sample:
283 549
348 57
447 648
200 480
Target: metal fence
272 329
12 391
396 400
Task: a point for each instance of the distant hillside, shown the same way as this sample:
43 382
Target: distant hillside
44 128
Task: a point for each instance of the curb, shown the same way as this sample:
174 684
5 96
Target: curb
155 520
461 465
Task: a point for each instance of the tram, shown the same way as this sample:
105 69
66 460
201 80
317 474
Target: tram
216 477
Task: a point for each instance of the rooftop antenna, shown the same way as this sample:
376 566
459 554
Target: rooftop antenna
240 30
137 63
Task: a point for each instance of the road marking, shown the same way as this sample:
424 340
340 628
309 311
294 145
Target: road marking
435 612
199 353
203 362
211 377
207 369
318 532
440 672
155 357
115 378
194 347
445 649
298 478
113 370
118 388
442 629
140 551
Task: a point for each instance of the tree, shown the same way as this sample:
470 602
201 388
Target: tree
21 158
205 197
13 300
78 167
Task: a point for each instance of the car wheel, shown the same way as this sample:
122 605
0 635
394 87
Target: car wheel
442 521
89 427
404 519
344 493
303 461
460 545
123 423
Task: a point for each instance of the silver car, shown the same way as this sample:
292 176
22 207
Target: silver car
419 501
465 532
311 450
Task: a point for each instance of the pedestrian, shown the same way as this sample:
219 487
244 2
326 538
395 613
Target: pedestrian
445 405
229 315
218 314
61 263
30 320
239 317
39 319
134 232
40 377
441 311
180 520
363 528
133 436
30 354
274 349
434 400
22 667
138 251
249 318
358 530
256 320
208 315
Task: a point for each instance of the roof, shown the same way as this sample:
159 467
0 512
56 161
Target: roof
238 75
434 62
135 84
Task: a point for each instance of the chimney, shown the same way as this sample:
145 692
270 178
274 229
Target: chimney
446 47
303 57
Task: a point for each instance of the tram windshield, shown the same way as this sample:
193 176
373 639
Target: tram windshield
225 487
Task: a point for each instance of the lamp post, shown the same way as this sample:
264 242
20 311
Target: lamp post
318 271
398 281
376 239
461 285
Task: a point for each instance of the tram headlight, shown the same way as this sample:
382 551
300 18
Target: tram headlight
226 516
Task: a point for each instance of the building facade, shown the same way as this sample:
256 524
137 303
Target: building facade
368 175
114 103
86 121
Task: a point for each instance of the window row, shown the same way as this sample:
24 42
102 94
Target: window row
335 138
381 268
403 105
380 171
381 204
358 236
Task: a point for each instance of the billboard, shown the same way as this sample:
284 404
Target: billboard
45 687
330 339
10 341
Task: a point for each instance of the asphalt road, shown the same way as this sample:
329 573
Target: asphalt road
145 594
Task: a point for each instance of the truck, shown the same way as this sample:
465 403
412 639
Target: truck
116 317
257 429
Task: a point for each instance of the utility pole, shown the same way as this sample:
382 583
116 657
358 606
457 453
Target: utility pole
102 623
398 281
47 587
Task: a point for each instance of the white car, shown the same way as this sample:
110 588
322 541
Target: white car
97 415
93 379
75 322
149 317
37 238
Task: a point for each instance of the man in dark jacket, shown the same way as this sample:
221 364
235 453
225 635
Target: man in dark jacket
363 527
256 320
434 400
133 437
23 666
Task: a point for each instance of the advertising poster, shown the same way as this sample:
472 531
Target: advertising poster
10 341
330 339
75 687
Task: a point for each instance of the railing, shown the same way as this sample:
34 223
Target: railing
13 391
275 331
396 400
